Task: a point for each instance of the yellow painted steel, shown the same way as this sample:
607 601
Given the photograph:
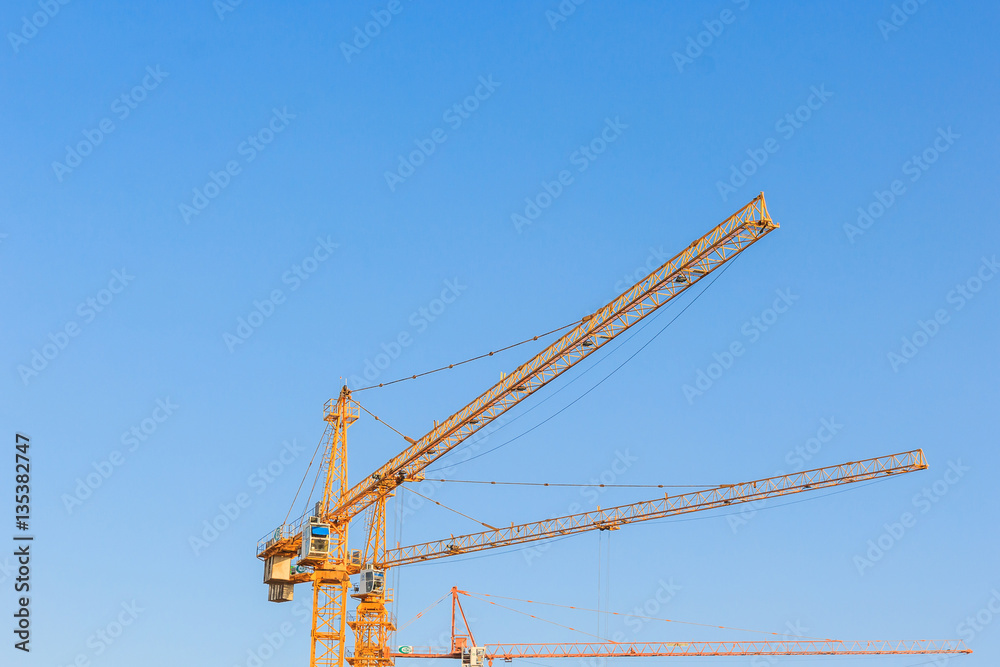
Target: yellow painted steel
708 253
371 623
737 648
696 501
331 579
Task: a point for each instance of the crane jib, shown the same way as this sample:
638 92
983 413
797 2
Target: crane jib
314 548
696 501
711 251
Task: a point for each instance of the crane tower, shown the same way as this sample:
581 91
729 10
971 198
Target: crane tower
314 548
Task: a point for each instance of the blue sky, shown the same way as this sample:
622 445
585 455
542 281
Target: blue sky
171 170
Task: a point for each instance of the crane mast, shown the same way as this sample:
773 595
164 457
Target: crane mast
331 576
314 548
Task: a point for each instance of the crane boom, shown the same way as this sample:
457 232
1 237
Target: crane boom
464 647
695 501
509 652
737 648
724 242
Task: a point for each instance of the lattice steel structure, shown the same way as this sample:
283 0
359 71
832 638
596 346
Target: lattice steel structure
330 572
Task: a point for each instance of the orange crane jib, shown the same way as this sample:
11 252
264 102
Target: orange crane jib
463 646
710 649
314 548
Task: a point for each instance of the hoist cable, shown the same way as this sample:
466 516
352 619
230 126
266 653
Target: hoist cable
601 381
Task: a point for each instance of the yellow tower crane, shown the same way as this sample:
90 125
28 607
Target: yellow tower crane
314 547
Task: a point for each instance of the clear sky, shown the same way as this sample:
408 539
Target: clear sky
215 214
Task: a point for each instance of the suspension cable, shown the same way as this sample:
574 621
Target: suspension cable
651 618
539 618
603 486
424 611
476 358
411 490
304 476
383 422
602 380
